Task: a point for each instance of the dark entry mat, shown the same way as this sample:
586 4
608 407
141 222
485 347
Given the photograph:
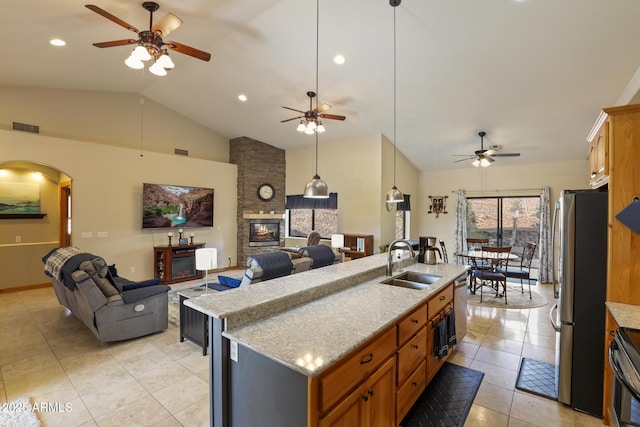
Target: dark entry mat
447 399
538 378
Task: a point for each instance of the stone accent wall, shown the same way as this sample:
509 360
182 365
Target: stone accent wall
258 163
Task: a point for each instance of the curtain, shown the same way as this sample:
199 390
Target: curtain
461 223
298 201
545 245
406 205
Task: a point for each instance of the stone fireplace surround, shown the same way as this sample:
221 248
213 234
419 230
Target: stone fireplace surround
258 163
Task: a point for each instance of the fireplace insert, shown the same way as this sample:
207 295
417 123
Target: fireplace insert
264 232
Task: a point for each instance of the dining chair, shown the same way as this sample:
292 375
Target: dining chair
524 272
475 244
498 257
445 257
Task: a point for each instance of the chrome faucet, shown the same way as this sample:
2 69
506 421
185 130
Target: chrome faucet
390 257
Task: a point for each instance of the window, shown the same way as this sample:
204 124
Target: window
402 224
303 221
505 221
305 215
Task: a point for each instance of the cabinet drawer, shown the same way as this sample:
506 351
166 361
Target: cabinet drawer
411 354
412 323
440 300
410 391
355 368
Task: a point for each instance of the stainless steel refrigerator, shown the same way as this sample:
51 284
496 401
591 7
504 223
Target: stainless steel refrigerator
580 227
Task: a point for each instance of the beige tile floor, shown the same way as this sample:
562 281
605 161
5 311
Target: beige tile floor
47 355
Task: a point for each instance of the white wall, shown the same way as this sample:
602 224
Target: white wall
107 197
557 176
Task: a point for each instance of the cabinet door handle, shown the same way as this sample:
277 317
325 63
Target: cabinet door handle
370 392
414 383
415 346
415 321
365 398
442 298
366 359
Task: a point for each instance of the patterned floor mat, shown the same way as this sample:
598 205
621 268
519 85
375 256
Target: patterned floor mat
447 399
538 378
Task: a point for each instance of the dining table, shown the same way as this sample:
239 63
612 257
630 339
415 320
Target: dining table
479 255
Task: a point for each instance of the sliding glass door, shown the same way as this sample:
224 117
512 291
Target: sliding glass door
505 221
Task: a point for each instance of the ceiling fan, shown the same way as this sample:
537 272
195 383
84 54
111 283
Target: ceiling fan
484 157
310 122
150 41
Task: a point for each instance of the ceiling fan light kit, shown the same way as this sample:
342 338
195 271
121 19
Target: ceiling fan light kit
150 44
484 158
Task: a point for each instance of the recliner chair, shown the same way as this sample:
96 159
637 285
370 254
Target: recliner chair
113 308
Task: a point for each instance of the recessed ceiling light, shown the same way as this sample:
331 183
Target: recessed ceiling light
339 59
242 97
57 42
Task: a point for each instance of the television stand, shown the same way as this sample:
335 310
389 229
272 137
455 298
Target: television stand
176 263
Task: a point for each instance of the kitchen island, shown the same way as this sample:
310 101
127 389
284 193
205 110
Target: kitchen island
324 345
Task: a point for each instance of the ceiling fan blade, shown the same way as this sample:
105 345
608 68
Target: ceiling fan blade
293 118
331 116
167 24
506 155
293 109
464 160
116 43
321 108
110 17
491 159
188 50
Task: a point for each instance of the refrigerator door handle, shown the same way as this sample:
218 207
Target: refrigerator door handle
553 318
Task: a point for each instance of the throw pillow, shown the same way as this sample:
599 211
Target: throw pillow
112 270
229 281
143 284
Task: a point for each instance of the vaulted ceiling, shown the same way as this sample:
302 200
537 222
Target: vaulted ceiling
533 74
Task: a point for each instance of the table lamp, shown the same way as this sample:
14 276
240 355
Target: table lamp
337 242
206 259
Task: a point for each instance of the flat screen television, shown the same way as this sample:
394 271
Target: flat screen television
166 206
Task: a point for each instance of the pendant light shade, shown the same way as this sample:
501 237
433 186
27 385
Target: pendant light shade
394 195
316 188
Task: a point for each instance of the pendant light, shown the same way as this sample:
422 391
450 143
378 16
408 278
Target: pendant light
394 195
317 188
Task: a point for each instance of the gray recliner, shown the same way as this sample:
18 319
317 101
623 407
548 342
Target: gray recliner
113 308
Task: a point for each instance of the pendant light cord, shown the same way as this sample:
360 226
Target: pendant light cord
394 96
317 66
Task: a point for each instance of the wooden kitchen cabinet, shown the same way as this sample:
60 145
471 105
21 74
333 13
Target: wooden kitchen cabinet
599 153
371 404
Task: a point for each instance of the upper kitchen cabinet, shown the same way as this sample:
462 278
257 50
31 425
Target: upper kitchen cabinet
623 268
599 152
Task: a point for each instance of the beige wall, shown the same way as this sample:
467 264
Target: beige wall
557 176
360 171
109 118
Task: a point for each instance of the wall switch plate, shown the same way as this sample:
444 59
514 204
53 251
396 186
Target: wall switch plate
233 352
86 234
18 239
102 234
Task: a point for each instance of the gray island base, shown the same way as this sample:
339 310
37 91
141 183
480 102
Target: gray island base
324 347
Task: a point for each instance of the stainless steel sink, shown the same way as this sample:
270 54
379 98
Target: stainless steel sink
412 280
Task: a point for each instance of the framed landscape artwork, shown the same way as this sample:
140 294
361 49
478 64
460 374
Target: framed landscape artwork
19 198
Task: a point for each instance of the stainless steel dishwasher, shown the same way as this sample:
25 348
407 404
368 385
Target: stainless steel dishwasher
460 305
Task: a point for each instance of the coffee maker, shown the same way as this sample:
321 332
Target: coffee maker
428 249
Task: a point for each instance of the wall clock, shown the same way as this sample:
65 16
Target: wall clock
266 192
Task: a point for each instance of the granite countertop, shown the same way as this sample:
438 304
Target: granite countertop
345 306
626 315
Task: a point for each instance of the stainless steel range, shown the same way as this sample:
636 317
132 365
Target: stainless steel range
624 358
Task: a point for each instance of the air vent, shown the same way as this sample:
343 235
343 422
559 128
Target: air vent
26 128
181 152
